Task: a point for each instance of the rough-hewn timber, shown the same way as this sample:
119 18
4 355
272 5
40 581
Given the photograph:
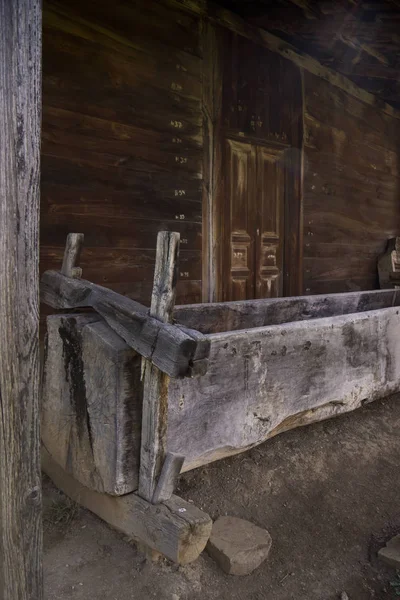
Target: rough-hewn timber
20 483
266 380
168 347
176 529
91 403
122 140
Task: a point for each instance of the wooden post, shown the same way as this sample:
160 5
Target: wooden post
20 483
72 253
155 382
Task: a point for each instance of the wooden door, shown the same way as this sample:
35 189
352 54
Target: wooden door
252 217
253 220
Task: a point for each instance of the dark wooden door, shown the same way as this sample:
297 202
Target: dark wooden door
253 233
255 188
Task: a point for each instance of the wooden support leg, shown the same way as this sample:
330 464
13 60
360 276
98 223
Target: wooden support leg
155 395
73 248
176 529
167 482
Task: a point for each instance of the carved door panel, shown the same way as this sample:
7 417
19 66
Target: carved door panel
269 222
253 221
240 181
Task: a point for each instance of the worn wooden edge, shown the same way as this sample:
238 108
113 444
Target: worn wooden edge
176 529
229 20
170 348
242 314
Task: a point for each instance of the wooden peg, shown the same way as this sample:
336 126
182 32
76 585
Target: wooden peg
72 253
169 475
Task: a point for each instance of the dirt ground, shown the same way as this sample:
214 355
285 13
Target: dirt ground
329 494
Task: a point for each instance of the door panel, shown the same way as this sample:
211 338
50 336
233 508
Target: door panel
240 177
269 208
253 232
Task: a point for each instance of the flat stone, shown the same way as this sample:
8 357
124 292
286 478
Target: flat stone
390 554
238 546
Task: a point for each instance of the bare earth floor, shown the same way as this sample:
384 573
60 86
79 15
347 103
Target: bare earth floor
329 494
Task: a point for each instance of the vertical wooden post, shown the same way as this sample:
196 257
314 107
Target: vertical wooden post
72 253
20 484
154 420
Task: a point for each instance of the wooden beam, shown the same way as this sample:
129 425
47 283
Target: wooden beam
229 20
170 348
176 529
20 483
155 407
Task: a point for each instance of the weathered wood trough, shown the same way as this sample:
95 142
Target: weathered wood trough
130 400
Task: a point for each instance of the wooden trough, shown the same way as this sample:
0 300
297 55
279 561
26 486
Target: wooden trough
129 400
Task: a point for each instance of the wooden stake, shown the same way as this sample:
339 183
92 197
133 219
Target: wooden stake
155 390
72 254
20 480
169 475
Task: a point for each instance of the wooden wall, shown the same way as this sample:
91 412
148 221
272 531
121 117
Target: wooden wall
122 150
122 139
351 188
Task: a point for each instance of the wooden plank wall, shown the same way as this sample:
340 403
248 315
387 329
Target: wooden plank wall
351 188
122 139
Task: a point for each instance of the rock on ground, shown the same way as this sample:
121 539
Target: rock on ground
390 554
238 546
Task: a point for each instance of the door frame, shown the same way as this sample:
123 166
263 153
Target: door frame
213 201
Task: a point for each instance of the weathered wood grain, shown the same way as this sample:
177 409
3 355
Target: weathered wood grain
168 347
20 483
108 266
176 529
266 380
91 403
155 407
231 316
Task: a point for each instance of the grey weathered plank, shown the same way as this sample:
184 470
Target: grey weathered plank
114 395
20 484
266 380
166 346
91 403
154 420
169 475
73 248
230 316
176 529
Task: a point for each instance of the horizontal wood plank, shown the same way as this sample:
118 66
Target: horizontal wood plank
247 314
176 529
